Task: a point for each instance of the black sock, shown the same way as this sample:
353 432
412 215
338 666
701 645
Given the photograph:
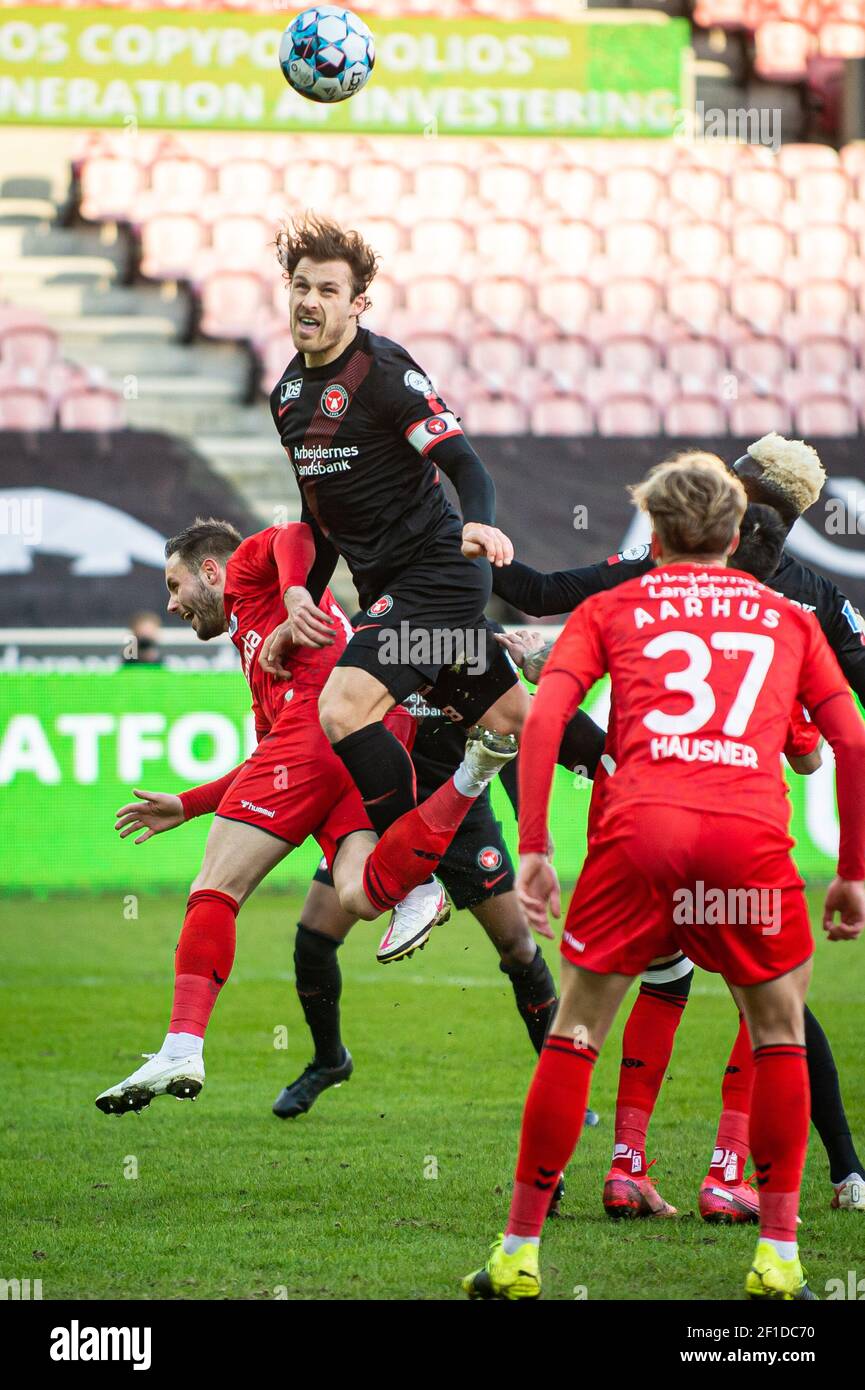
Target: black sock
382 771
827 1107
582 745
535 995
318 982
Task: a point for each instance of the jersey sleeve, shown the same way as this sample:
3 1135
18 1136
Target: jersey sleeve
820 675
802 735
406 400
544 595
841 625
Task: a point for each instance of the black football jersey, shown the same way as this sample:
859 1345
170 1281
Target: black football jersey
358 433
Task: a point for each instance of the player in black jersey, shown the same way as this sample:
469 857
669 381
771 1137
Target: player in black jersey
366 433
784 478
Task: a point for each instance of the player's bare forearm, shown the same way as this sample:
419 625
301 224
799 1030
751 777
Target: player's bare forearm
535 663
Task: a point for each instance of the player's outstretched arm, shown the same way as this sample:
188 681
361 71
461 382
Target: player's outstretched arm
538 891
154 813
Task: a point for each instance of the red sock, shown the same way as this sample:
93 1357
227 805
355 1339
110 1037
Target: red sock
647 1045
780 1116
552 1123
410 849
203 960
731 1144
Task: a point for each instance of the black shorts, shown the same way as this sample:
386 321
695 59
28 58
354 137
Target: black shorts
428 634
476 865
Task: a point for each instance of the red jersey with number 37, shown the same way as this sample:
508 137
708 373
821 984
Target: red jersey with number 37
256 577
706 664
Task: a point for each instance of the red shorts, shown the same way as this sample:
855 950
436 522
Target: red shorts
661 879
294 785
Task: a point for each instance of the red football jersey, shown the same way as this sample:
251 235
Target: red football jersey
706 664
254 606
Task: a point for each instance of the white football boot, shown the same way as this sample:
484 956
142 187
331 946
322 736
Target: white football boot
182 1077
412 920
850 1194
485 756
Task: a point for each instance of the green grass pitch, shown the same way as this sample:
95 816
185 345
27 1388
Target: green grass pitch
394 1185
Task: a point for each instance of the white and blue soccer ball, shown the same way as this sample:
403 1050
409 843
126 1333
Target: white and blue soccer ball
327 53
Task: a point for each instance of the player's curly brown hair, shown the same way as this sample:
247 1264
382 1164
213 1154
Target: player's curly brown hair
321 239
694 502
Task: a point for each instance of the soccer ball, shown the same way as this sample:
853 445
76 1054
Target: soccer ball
327 53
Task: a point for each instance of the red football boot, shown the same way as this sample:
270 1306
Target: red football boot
629 1196
728 1204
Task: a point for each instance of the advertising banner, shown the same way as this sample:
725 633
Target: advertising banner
73 747
219 71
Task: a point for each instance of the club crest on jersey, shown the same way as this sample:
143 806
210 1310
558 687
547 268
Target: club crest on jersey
489 858
436 426
416 381
381 605
632 555
334 400
290 390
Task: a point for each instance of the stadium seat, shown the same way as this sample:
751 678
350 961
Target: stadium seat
759 300
704 356
826 415
829 248
28 345
825 303
506 189
700 190
376 186
821 195
795 159
384 234
178 184
759 192
242 242
566 302
440 246
824 355
440 355
569 247
781 50
761 247
434 303
25 408
171 246
231 303
701 248
500 361
573 192
94 408
842 40
564 361
629 353
244 184
494 414
561 414
633 192
696 301
505 303
505 246
758 415
633 248
723 14
760 359
634 301
110 187
629 415
275 351
442 188
695 415
312 183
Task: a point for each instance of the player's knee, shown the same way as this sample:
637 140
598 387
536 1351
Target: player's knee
338 716
227 880
518 952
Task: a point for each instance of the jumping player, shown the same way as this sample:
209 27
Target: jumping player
366 434
787 476
696 739
291 787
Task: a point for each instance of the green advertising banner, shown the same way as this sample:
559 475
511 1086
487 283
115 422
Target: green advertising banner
219 71
72 747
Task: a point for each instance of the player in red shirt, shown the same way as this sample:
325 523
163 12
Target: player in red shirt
291 787
705 664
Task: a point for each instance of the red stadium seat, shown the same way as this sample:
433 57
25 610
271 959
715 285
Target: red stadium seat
704 356
560 414
637 248
564 361
94 408
441 246
723 14
28 345
573 192
760 301
434 303
25 408
568 247
635 302
178 184
504 247
700 190
853 159
634 192
628 415
231 303
698 247
760 192
825 303
507 189
760 359
824 355
110 187
696 301
761 247
171 246
384 234
376 186
842 40
440 355
782 50
440 188
313 183
821 195
630 353
793 159
500 360
759 415
505 302
242 242
566 301
488 414
826 415
695 415
245 184
276 351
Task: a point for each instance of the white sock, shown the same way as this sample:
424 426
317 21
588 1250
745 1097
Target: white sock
785 1249
512 1243
179 1045
467 785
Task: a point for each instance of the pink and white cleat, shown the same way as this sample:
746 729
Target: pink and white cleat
412 920
628 1196
728 1204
